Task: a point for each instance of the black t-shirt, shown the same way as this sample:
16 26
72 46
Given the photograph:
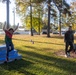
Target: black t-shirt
69 36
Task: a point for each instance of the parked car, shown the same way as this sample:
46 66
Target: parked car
44 32
16 33
1 31
55 32
62 32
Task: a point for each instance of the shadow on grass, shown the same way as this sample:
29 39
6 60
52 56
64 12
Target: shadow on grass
62 64
21 40
49 43
18 65
57 37
2 42
32 58
39 42
39 49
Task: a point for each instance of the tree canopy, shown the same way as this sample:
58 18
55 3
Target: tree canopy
38 6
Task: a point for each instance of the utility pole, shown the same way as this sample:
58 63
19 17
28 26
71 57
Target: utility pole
14 17
60 11
7 7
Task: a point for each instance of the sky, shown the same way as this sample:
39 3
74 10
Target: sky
68 1
3 12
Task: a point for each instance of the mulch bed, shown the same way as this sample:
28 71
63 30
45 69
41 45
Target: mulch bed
62 54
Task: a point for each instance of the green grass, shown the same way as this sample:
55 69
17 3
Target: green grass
38 58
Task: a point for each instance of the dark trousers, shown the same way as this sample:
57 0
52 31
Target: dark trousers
10 47
67 45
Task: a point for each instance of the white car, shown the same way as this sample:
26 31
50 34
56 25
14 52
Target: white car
1 31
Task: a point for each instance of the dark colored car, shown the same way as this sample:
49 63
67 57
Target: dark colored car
16 33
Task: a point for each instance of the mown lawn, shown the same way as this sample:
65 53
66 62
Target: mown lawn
38 58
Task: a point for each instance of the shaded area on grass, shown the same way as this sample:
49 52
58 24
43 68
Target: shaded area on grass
51 61
39 62
39 42
39 49
62 53
2 42
57 36
17 65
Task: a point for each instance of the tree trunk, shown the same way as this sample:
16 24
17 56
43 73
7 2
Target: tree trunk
39 23
48 28
31 18
60 23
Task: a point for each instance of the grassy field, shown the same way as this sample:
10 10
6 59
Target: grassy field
38 58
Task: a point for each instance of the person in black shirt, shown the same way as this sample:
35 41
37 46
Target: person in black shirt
69 40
